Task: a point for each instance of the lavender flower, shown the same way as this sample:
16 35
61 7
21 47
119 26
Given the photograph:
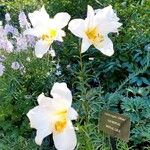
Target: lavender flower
7 17
4 42
2 68
31 40
10 29
1 32
8 46
21 43
23 20
15 65
2 58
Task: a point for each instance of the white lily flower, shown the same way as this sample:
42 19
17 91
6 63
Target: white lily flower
47 29
54 115
95 28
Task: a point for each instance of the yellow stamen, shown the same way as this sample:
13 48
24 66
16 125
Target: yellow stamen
52 33
45 37
60 126
61 123
50 36
94 36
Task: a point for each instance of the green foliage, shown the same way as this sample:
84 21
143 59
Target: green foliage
16 143
15 6
137 108
19 91
96 87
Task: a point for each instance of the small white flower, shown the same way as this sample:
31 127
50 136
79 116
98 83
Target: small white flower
48 73
53 61
76 128
15 65
95 28
57 66
58 73
54 115
28 59
68 66
91 58
47 29
52 52
22 69
2 69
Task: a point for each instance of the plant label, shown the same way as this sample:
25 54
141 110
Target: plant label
115 124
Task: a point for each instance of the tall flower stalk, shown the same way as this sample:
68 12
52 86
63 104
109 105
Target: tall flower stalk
82 84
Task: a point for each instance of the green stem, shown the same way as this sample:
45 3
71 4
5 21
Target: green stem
84 102
81 62
109 140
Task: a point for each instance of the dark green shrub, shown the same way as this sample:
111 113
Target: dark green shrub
98 84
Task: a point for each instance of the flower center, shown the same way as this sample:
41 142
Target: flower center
49 36
52 33
94 36
61 123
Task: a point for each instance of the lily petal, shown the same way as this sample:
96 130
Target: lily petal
43 100
61 92
90 20
107 12
67 139
106 47
85 45
77 27
107 20
33 31
41 120
40 17
62 19
90 13
106 26
60 35
72 114
41 48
